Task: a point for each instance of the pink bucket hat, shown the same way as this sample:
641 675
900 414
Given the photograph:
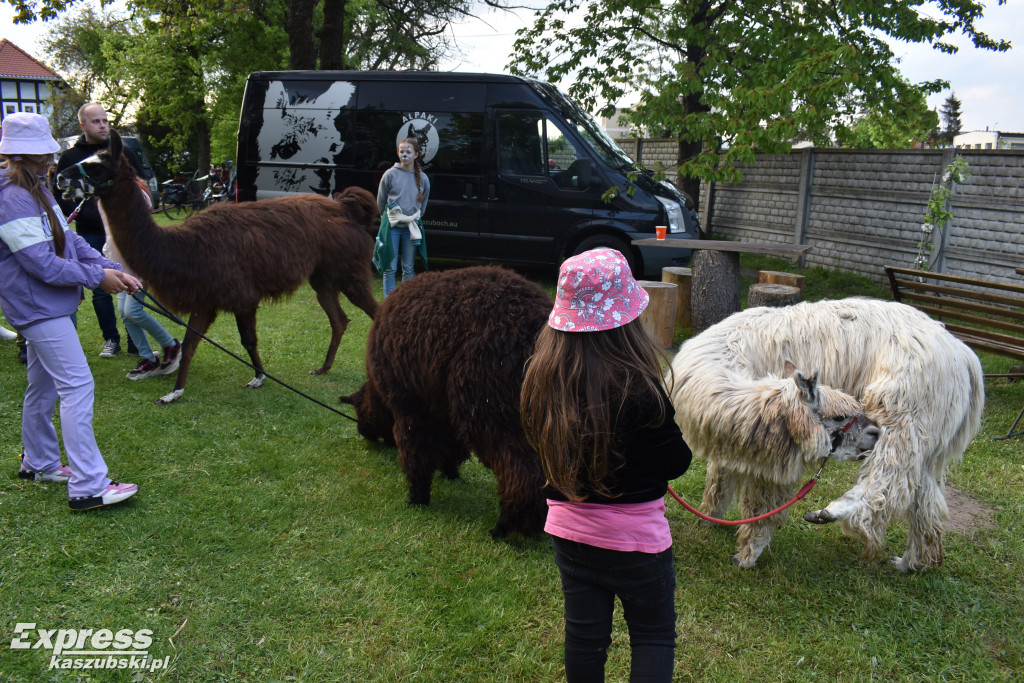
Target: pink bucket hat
25 133
596 292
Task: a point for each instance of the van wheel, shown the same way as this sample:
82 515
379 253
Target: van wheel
598 241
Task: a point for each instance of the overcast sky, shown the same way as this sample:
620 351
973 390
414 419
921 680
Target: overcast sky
988 84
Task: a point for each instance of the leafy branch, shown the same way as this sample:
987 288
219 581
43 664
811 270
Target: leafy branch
939 211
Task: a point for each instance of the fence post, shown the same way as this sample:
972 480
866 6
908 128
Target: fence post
803 201
938 260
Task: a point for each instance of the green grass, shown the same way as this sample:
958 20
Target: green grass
269 542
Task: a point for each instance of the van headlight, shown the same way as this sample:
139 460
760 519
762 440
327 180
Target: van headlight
153 187
675 214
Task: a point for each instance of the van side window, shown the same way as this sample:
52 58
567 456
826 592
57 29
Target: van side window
520 151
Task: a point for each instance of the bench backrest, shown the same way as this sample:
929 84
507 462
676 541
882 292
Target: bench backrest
984 314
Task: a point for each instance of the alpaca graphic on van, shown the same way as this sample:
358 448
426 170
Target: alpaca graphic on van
420 127
299 131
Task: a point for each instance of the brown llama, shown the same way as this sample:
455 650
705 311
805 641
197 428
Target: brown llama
230 257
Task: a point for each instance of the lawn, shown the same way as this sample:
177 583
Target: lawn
270 543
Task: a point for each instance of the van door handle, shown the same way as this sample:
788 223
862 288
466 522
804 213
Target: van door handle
470 192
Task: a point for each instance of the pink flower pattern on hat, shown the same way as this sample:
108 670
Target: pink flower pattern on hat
596 292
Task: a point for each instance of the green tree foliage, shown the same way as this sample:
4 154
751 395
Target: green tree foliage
950 112
739 77
178 69
181 66
874 131
76 45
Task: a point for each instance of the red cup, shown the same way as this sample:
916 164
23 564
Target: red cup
659 231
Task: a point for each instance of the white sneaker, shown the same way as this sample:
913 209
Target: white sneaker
113 494
6 334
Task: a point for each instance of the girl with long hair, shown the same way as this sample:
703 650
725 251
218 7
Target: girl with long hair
43 266
595 408
402 199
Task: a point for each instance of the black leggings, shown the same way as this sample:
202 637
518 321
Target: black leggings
645 584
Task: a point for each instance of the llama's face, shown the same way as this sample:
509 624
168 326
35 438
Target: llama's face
374 420
851 435
91 176
852 438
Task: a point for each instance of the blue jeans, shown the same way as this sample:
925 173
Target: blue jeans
102 302
645 584
137 322
403 247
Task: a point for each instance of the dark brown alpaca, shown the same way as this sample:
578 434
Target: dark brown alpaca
444 366
230 257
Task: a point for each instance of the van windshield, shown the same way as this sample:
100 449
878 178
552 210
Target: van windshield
585 125
602 143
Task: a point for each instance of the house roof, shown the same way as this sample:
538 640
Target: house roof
16 63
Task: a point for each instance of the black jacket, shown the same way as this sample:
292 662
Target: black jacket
88 221
654 455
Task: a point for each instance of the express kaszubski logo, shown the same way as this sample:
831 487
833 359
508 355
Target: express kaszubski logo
86 648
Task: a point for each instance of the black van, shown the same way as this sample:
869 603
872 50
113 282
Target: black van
517 169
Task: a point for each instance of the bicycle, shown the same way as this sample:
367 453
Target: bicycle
216 189
180 196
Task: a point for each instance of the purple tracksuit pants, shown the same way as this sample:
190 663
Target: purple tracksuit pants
57 368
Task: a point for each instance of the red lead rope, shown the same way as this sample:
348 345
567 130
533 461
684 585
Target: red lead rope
800 494
803 492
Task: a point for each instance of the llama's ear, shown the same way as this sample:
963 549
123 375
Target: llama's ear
788 368
808 385
116 146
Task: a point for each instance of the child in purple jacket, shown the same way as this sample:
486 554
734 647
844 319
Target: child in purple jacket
44 265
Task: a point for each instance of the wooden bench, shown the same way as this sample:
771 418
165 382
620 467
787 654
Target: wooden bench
983 314
986 315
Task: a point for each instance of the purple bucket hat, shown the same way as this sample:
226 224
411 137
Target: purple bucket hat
26 133
596 292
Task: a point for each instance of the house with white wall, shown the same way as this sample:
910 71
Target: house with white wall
989 139
26 84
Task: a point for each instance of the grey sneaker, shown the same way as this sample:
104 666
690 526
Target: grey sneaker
110 349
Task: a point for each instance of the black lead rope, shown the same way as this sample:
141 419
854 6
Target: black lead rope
167 313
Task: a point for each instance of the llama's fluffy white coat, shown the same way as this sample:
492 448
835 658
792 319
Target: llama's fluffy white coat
919 384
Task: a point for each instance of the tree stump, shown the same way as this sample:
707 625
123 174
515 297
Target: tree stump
767 294
715 291
659 318
683 279
775 277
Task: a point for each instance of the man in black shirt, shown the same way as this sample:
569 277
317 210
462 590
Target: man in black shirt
95 137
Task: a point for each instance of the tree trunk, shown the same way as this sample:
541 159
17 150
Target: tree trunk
776 296
691 186
201 128
332 35
715 291
683 280
695 55
775 277
659 318
301 46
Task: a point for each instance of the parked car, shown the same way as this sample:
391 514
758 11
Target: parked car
518 171
145 172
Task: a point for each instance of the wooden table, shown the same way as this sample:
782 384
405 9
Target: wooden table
715 293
